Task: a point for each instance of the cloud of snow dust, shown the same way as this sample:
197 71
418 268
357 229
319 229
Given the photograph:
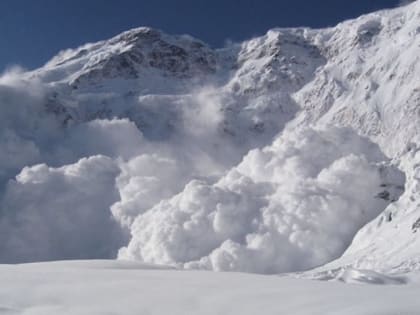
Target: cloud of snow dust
290 206
22 124
204 114
60 213
405 2
57 184
90 188
144 181
56 181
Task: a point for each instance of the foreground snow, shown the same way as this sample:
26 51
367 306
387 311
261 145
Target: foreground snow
112 287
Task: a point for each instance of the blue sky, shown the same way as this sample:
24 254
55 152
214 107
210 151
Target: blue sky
32 31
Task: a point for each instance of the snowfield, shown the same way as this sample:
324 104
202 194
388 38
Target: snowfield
296 153
109 287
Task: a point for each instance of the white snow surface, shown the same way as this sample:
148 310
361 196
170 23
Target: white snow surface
113 287
290 151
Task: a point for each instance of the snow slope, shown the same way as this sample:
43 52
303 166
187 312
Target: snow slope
376 91
282 153
105 287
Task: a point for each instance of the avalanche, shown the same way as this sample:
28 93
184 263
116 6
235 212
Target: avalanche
290 151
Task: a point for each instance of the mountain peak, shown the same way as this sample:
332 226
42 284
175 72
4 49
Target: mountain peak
136 53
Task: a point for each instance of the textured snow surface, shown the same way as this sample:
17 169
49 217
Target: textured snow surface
104 287
278 154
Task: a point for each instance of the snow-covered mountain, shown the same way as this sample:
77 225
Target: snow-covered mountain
289 151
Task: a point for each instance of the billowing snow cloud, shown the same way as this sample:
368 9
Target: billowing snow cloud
405 2
290 206
79 190
60 213
66 191
145 180
22 123
116 138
